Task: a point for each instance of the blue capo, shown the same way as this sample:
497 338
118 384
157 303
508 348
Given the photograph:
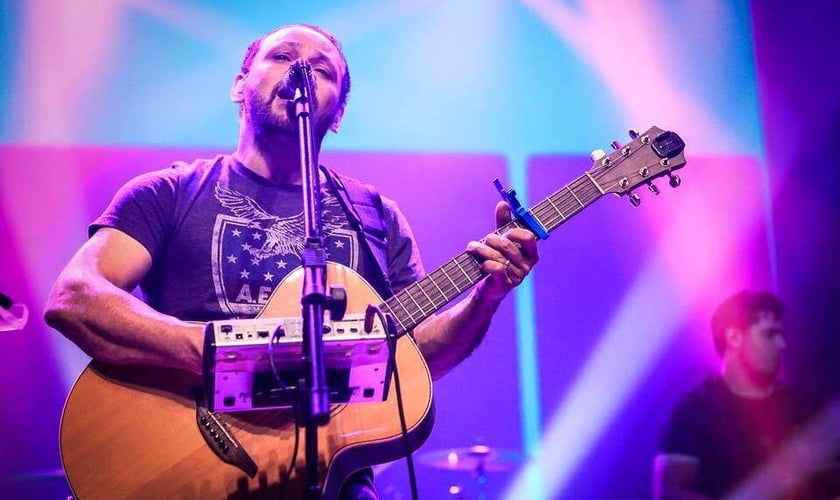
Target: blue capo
509 196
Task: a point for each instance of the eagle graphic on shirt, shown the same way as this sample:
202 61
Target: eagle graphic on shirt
283 235
253 249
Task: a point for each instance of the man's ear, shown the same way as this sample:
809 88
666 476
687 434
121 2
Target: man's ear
237 92
337 121
734 337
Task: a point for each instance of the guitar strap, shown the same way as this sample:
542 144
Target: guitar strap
364 209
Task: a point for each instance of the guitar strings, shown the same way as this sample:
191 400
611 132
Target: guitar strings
417 301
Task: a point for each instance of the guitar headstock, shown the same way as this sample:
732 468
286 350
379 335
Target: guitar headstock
648 156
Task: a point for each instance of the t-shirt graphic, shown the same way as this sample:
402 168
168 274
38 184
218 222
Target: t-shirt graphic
253 249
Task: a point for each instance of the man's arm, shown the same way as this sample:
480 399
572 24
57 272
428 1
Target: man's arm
91 304
449 337
674 476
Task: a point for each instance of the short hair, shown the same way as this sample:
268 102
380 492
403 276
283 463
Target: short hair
740 311
254 47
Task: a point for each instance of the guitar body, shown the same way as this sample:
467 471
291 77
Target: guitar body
132 431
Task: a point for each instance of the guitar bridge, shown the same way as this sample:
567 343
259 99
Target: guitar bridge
222 442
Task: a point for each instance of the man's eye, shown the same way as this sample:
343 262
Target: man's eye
326 73
282 57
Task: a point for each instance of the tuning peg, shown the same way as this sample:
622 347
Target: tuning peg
674 180
635 200
615 145
597 154
653 189
633 133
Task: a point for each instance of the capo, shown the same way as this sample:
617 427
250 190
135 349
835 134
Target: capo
509 196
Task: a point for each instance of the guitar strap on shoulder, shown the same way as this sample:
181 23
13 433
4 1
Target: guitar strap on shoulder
364 209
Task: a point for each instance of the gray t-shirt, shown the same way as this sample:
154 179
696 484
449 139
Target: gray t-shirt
222 238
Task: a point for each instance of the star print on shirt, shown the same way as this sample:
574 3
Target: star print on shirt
254 249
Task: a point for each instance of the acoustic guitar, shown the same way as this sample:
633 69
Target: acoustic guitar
142 431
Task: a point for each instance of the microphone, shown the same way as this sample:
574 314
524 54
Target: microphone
294 80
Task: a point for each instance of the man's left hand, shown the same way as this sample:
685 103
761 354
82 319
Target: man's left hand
507 258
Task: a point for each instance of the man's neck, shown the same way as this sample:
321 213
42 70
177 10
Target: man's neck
747 385
275 157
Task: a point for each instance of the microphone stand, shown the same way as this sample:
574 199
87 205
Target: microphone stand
314 390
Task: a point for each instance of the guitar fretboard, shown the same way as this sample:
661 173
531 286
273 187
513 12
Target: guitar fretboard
423 298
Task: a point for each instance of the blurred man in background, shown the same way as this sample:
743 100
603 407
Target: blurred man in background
736 424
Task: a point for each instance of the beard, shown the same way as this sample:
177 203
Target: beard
267 121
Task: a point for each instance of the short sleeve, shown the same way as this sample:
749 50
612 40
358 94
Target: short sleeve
405 266
143 208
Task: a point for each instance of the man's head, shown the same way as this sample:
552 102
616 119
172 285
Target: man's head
265 66
747 329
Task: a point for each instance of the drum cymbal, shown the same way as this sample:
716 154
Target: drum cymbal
479 458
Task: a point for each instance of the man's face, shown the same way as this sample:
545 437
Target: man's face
264 109
762 345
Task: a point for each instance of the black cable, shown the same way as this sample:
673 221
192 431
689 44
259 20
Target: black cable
391 336
293 399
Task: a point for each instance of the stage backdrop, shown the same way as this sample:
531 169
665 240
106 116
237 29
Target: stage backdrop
583 364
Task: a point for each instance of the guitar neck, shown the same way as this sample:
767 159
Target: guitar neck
423 298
